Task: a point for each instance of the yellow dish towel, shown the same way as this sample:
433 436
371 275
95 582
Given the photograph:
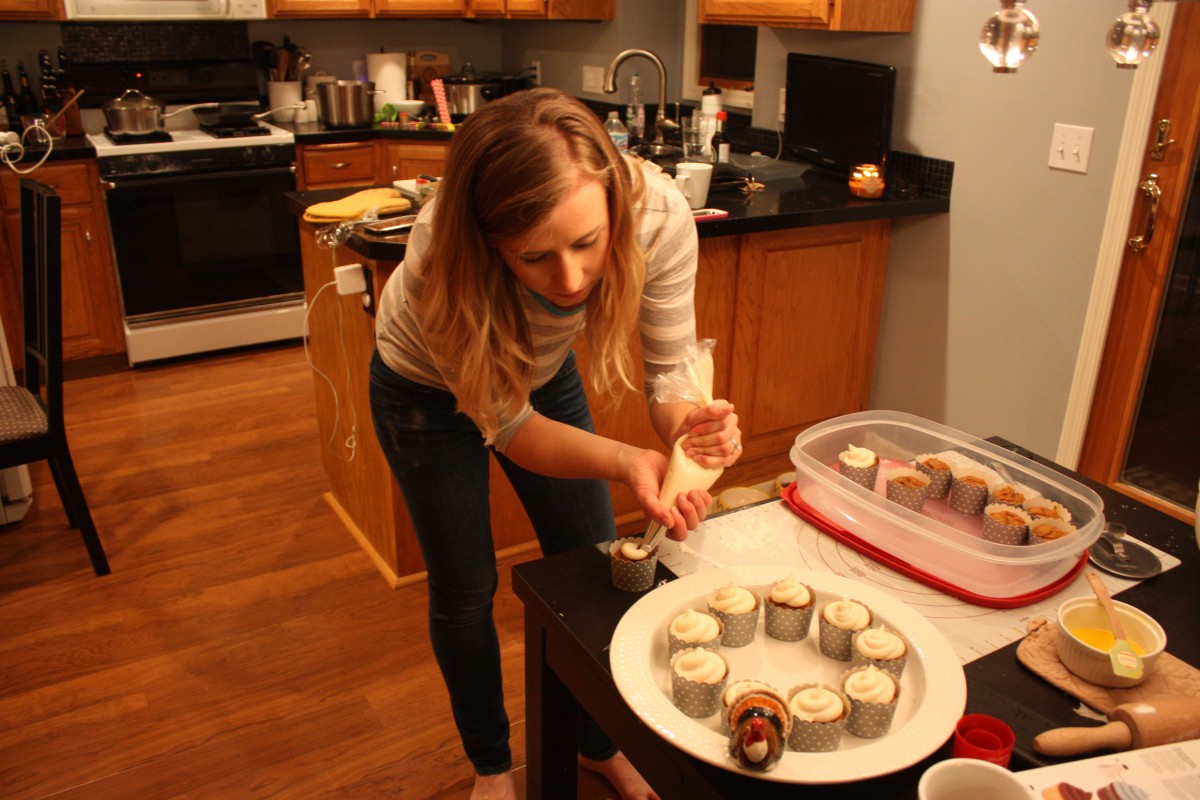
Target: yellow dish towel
384 201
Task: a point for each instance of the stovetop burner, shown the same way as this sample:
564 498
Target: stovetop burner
138 138
234 132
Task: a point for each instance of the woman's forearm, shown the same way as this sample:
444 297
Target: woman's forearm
552 448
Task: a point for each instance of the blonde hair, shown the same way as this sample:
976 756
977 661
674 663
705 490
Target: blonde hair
511 163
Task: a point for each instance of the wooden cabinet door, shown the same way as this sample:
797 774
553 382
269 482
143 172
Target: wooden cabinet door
834 15
318 8
805 330
31 9
528 9
574 9
420 8
325 166
405 160
486 8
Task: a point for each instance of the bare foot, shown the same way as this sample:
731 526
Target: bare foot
617 770
494 787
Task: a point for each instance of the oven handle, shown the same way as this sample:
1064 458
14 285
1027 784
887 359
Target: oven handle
136 182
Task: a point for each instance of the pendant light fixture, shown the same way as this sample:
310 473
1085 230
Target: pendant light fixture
1009 36
1133 36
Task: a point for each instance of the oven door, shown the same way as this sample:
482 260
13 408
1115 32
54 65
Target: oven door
202 244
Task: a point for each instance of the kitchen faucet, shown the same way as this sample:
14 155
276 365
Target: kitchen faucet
661 124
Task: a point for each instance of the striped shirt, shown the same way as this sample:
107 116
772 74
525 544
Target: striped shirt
666 233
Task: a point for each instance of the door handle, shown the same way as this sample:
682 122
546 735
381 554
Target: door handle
1152 190
1161 142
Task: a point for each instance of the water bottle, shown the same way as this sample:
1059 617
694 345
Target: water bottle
635 110
616 131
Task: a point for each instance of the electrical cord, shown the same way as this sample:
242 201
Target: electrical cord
15 144
351 442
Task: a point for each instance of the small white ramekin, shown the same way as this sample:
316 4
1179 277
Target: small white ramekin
1093 664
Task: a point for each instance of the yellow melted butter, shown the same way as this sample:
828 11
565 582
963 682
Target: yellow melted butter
1102 639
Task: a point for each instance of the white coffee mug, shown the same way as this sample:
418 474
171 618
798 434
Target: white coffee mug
956 778
280 94
693 178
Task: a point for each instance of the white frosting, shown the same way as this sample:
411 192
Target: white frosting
859 457
816 704
699 665
632 549
879 643
732 600
685 475
791 592
694 626
870 685
737 689
847 614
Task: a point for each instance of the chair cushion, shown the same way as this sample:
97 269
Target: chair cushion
21 415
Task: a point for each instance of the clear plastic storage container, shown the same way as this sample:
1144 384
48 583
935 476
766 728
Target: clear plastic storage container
946 545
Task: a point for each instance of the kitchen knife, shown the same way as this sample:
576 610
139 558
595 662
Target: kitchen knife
1134 725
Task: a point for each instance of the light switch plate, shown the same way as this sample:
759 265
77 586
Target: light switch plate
593 80
1071 147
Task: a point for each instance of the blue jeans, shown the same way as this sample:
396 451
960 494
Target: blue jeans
438 457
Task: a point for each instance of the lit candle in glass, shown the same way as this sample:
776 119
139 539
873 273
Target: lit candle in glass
866 180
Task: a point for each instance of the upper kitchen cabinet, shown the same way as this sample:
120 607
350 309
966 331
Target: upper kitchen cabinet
442 9
829 15
560 9
292 9
31 9
420 8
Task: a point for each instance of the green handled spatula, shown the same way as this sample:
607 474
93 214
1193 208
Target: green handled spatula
1125 660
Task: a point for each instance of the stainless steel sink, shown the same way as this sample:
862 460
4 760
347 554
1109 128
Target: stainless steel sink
663 154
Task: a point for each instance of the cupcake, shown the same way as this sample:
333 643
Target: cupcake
1005 524
839 620
738 608
1047 529
907 487
789 610
938 472
879 647
968 490
819 716
873 694
759 725
693 629
697 678
1007 493
860 465
734 692
632 567
1042 507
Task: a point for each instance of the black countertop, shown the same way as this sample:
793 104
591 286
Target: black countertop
70 148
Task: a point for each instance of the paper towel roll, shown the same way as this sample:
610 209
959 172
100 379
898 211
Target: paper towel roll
389 72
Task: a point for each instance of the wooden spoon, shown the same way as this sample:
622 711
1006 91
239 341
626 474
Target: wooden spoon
1125 660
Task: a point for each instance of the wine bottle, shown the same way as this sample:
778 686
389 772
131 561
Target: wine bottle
28 102
720 141
12 105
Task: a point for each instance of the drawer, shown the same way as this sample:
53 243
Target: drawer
339 164
69 180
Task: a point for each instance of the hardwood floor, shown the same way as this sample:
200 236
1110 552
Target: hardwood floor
243 647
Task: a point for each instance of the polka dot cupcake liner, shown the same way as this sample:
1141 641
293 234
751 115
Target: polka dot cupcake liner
939 480
834 642
786 623
632 576
870 720
695 698
965 498
863 476
999 533
895 666
818 737
675 644
1063 528
739 629
911 497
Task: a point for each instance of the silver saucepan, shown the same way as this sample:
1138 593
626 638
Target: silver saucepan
135 114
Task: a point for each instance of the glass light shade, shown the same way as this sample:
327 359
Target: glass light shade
1133 37
1009 37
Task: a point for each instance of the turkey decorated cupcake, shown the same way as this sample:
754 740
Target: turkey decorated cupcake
632 567
939 474
1005 524
838 622
879 647
819 715
1048 529
697 678
907 487
789 610
735 691
860 465
693 628
738 609
969 490
873 694
759 725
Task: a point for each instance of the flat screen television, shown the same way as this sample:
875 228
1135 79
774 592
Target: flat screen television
837 112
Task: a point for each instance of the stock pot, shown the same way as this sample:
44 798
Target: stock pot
346 104
135 114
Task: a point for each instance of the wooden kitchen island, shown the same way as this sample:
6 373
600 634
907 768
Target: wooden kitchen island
790 287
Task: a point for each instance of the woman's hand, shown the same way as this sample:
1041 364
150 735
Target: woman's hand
713 436
646 472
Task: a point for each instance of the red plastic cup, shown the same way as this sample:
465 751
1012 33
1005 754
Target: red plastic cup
985 738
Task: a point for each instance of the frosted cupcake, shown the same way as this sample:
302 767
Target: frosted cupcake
1042 507
789 610
969 490
734 692
838 622
819 715
860 465
873 695
738 609
697 678
881 648
1004 524
1048 529
939 474
632 567
759 725
693 629
907 487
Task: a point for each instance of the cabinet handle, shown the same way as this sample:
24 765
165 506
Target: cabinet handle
1151 189
340 165
87 237
394 172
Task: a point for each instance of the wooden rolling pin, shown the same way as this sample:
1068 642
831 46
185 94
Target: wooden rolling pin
1133 725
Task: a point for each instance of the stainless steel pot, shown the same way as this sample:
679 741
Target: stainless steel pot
135 114
346 104
468 90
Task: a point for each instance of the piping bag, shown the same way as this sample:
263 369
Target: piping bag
691 381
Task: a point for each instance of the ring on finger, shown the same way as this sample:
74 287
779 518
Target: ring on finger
736 445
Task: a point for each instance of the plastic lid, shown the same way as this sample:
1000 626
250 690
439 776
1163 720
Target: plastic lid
613 115
722 115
